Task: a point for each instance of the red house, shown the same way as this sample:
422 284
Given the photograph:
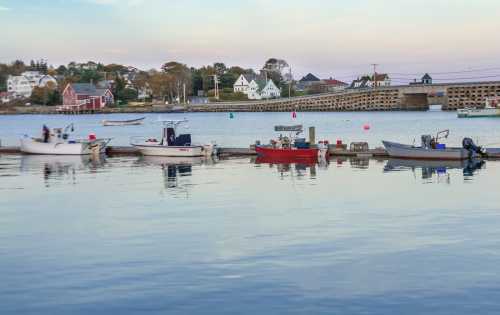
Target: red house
82 96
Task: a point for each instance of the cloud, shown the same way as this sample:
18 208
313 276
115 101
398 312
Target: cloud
4 8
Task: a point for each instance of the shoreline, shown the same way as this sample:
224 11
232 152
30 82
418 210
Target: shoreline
52 110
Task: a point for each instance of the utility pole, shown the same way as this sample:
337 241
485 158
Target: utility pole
216 81
265 73
290 83
184 92
374 75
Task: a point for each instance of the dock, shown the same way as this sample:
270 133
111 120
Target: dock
222 151
227 152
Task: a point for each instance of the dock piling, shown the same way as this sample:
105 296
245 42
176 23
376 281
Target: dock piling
312 135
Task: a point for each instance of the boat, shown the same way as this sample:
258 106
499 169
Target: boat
291 147
131 122
491 109
431 149
171 144
58 142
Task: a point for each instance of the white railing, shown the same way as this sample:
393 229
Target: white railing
77 106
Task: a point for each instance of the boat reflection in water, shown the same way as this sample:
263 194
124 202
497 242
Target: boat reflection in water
432 168
295 167
61 166
174 168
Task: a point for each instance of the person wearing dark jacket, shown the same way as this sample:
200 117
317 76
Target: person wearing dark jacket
45 133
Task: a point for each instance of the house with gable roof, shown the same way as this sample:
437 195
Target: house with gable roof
22 85
255 87
86 96
382 79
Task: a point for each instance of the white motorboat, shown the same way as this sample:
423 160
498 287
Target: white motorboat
399 150
170 144
490 109
59 142
131 122
431 149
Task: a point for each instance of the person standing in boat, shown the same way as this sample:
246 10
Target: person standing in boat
45 133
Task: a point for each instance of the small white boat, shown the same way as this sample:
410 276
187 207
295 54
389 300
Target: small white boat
490 109
58 142
170 144
131 122
431 149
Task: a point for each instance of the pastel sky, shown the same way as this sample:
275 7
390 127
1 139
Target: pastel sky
339 38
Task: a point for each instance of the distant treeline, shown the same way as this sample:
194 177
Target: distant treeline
166 84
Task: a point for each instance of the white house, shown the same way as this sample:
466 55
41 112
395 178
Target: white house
382 79
256 88
270 90
253 91
22 85
243 82
368 82
19 86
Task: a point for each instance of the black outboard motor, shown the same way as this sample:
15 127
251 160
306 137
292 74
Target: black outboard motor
470 146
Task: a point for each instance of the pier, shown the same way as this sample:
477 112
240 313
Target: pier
450 96
227 152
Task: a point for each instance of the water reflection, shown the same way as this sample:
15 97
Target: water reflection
174 168
61 166
435 169
294 168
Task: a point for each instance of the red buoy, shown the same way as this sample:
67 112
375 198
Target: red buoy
294 114
366 127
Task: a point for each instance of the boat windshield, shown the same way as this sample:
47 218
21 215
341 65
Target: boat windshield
293 128
172 123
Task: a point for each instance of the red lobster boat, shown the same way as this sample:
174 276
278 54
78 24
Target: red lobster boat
288 149
287 153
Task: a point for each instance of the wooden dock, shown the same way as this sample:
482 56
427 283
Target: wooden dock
235 152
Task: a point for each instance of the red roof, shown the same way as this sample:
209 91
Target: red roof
334 82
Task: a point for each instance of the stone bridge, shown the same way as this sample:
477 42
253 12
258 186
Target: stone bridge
403 97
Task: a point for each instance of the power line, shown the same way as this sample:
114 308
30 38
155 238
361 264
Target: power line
455 78
452 72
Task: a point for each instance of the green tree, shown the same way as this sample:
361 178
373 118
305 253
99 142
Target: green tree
220 68
46 95
89 76
61 70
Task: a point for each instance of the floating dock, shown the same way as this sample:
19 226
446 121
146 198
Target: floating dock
250 151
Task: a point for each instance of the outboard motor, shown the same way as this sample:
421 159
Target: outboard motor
470 146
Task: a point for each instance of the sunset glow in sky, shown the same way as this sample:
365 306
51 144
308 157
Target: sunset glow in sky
327 37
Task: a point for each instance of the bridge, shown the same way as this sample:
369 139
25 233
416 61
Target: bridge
401 97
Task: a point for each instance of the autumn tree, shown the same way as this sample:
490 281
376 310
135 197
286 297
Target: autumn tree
178 78
46 95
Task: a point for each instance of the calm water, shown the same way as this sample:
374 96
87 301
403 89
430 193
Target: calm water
163 236
245 128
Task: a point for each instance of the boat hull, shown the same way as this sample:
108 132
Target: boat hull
30 146
160 150
478 112
277 155
133 122
404 151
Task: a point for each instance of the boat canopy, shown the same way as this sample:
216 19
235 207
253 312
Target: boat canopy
293 128
172 122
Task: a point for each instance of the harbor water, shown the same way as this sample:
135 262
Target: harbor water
139 235
245 128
